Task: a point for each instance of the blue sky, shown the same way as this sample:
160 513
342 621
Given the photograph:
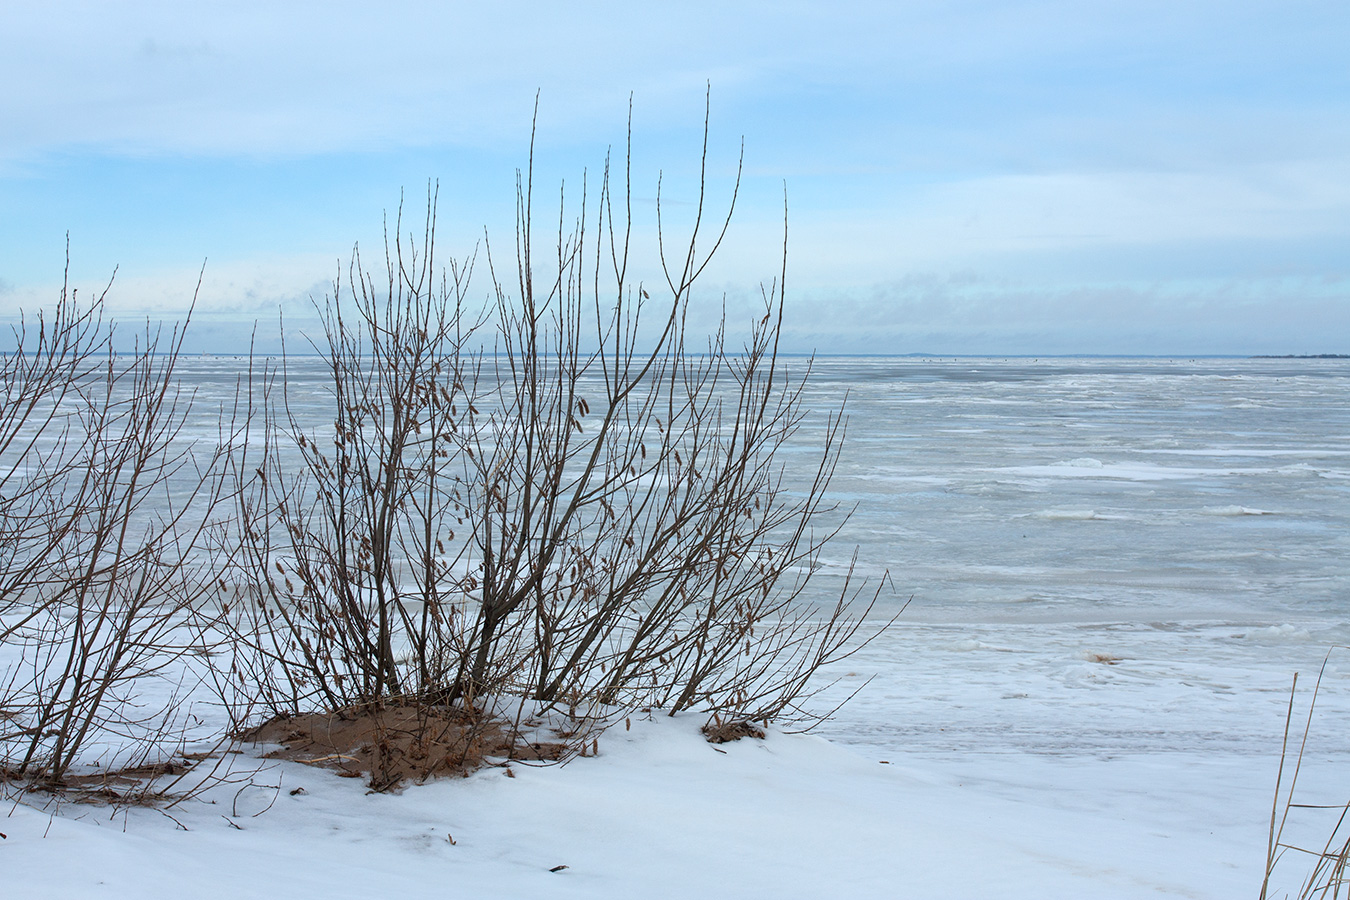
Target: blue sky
964 177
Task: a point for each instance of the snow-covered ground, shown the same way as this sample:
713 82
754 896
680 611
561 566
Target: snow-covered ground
661 813
1117 567
981 760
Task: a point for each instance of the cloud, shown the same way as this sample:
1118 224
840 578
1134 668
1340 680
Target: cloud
252 78
964 221
266 78
967 315
244 290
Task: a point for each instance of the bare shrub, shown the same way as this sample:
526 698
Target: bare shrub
104 510
560 495
335 525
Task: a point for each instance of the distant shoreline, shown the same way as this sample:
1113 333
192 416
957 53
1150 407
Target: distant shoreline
924 356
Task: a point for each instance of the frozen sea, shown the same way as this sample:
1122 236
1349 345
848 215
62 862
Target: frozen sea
1102 556
1105 556
1117 566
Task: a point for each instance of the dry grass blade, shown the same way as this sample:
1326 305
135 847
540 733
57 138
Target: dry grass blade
1327 876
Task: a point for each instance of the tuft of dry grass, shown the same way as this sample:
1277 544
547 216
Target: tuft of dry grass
1328 876
395 743
731 731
